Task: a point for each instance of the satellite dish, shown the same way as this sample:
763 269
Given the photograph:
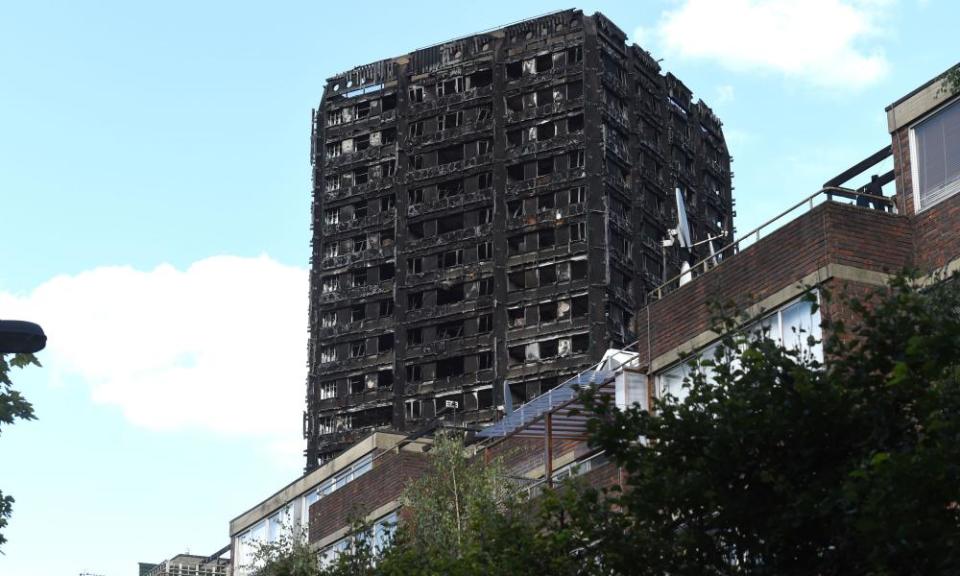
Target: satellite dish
685 274
683 227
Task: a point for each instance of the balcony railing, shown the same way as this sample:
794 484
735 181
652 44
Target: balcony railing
828 194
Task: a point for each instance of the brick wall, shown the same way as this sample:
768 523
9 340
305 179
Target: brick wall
391 473
936 234
830 233
901 162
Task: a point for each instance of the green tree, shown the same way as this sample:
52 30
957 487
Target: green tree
463 517
13 407
780 465
951 81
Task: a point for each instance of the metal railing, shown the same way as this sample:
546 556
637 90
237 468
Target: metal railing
828 194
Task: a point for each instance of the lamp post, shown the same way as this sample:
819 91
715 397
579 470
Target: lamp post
19 337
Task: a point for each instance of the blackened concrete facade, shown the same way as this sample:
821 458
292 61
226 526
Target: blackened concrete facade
491 209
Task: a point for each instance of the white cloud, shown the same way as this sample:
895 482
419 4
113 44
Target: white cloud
220 346
724 94
817 41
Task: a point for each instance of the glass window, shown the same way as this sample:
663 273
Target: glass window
935 144
798 323
671 382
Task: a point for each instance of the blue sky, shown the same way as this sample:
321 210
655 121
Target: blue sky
154 210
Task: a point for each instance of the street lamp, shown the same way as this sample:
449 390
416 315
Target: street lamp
17 336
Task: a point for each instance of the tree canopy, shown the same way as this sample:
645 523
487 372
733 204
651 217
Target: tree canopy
13 407
773 463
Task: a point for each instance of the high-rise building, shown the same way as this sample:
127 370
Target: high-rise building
492 209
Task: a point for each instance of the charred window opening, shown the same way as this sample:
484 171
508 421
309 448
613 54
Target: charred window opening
515 172
578 269
329 319
415 301
575 123
515 103
543 63
449 188
328 390
546 131
415 196
415 129
580 343
484 147
385 343
360 175
516 280
388 202
484 180
448 121
387 271
388 136
514 138
414 336
412 409
578 231
480 78
414 373
450 154
450 295
415 265
576 159
328 354
547 274
450 367
359 210
358 312
450 223
385 379
548 312
544 167
329 284
361 142
546 238
514 70
450 86
416 230
358 348
485 360
388 102
358 277
484 251
450 259
515 208
485 286
450 330
357 384
363 110
580 306
386 308
546 201
485 324
515 243
517 355
416 93
574 55
483 114
549 349
516 317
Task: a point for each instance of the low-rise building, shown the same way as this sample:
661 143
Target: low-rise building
323 503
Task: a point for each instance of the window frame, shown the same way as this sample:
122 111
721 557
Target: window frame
918 206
